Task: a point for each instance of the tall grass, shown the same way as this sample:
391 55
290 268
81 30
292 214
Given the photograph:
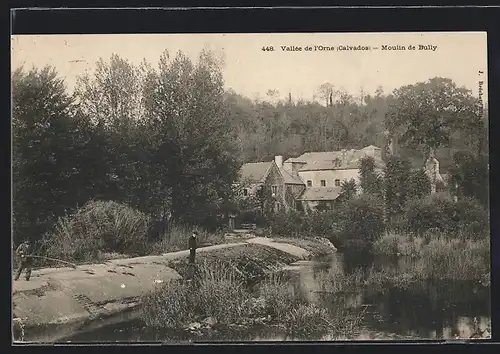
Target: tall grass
398 244
335 280
456 259
216 292
441 258
306 319
279 296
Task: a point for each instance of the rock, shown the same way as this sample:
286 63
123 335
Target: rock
194 326
210 321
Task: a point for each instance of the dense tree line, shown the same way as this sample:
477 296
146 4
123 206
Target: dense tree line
154 138
168 139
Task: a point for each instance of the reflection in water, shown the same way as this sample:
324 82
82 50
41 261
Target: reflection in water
429 310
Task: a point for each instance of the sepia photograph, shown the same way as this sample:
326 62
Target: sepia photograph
249 187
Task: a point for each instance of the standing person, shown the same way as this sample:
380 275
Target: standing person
192 243
25 259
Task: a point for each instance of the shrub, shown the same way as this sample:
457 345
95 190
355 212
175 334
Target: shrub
176 239
432 212
438 212
361 222
456 259
397 244
289 224
99 226
386 244
323 224
472 217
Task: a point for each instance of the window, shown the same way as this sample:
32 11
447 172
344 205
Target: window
245 192
323 183
337 183
274 189
337 162
309 183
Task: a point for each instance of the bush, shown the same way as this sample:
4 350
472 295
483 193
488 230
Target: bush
440 213
456 259
361 222
398 244
99 226
291 224
176 239
386 244
253 216
473 218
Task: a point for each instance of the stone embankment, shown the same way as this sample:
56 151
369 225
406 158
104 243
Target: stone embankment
58 302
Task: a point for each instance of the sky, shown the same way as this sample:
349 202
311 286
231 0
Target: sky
250 71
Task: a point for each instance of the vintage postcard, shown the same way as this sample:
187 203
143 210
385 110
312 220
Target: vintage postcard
250 187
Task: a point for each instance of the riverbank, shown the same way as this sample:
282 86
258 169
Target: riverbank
90 293
239 289
441 258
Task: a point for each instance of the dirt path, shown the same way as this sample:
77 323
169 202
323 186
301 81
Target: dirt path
66 297
41 277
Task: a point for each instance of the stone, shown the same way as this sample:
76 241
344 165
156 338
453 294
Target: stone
194 326
210 321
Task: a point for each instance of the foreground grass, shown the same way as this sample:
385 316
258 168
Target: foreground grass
217 298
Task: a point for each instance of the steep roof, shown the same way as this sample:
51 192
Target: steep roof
371 147
291 178
255 171
325 160
321 193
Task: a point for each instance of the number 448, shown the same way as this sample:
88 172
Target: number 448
268 48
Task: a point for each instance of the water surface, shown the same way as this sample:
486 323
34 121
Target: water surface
430 310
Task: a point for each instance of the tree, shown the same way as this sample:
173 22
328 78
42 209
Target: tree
361 222
369 180
418 184
114 99
470 175
326 92
187 121
396 175
424 115
54 165
348 189
265 198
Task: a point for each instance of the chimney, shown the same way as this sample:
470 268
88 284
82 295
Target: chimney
279 161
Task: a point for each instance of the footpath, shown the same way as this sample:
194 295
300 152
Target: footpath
57 302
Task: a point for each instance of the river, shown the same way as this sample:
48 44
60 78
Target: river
434 310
